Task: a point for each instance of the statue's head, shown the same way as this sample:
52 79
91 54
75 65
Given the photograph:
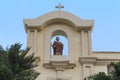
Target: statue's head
57 38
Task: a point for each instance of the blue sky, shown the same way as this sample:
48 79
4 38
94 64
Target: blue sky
106 13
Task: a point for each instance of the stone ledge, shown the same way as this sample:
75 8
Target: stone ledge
59 58
59 63
87 59
96 61
55 78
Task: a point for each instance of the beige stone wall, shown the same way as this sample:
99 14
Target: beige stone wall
107 55
81 61
75 73
77 44
76 39
100 68
86 47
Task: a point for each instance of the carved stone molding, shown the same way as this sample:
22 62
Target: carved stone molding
59 63
90 60
55 78
96 61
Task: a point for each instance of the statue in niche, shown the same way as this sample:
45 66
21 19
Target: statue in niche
57 47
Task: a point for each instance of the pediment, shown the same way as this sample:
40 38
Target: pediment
58 16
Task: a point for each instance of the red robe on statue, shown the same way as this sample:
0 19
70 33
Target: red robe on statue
57 48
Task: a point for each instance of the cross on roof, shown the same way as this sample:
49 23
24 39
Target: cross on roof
59 6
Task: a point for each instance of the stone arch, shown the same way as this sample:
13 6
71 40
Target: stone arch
63 38
59 32
58 20
58 16
51 32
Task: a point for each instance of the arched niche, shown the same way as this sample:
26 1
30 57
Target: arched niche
63 39
58 29
59 32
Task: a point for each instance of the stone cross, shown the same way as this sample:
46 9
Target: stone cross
59 6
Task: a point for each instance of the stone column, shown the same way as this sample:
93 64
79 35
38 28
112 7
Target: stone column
28 38
71 49
83 71
84 65
47 47
92 70
90 46
59 74
35 41
82 42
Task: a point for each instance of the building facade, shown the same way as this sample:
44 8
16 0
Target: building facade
80 62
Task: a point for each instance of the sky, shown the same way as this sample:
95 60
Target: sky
105 13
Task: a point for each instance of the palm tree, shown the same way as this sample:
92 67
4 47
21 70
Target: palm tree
16 64
1 48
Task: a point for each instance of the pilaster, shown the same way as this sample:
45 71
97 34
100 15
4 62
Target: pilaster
35 41
28 38
87 65
82 42
90 42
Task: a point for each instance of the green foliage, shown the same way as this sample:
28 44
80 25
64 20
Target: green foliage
5 73
1 48
16 64
116 74
101 76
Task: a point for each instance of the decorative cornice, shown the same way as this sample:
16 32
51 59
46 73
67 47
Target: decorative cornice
96 61
88 60
59 63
